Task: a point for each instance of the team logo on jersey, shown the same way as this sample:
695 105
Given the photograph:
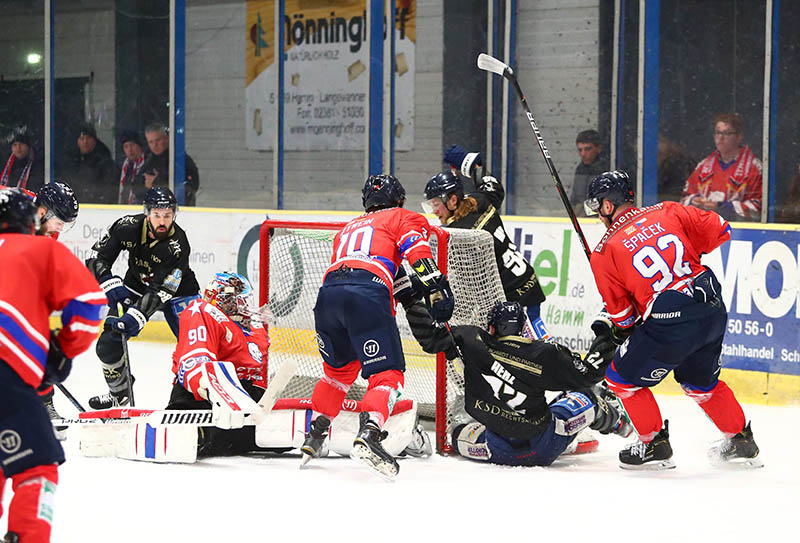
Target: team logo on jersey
255 352
10 441
371 348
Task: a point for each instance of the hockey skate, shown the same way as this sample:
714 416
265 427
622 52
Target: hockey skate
60 431
656 455
367 449
420 445
314 446
110 400
738 451
11 537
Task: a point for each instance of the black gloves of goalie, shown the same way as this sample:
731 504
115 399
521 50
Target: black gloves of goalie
58 365
435 289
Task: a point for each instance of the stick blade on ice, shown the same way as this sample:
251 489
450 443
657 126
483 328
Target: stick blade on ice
491 64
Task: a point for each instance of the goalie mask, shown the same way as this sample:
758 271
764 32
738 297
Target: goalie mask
233 295
507 319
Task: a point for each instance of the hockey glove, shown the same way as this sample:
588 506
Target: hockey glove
130 324
437 294
490 184
115 291
231 406
58 364
603 326
601 353
462 160
407 289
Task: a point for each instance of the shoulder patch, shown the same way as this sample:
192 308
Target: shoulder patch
215 313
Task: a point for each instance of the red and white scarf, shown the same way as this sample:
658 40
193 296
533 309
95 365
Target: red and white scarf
126 167
22 182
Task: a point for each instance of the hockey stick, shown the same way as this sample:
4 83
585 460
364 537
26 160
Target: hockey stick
126 359
70 397
491 64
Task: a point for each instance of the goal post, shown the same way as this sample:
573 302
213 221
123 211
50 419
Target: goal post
293 257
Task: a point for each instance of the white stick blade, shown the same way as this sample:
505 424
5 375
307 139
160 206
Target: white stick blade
491 64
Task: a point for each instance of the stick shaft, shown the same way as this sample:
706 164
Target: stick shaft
126 357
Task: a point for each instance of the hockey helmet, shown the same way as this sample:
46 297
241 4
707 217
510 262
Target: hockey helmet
17 212
60 203
233 295
160 198
507 319
614 186
382 191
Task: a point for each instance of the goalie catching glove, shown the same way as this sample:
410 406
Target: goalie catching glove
436 289
216 382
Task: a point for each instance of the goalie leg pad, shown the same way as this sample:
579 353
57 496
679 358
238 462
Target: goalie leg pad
30 514
330 391
470 441
572 412
383 391
140 441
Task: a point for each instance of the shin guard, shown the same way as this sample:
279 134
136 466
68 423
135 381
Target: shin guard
383 390
330 391
720 405
30 514
641 407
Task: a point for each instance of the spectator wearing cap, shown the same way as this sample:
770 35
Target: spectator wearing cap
90 170
593 163
155 172
24 167
131 166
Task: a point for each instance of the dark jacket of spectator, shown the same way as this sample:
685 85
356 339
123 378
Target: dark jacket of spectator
584 173
160 163
93 175
25 167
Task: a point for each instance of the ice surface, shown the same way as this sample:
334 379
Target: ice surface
586 497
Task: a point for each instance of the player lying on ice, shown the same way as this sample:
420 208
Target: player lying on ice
219 365
506 376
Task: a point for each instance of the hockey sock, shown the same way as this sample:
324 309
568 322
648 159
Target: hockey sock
30 514
2 487
330 391
720 405
383 390
641 407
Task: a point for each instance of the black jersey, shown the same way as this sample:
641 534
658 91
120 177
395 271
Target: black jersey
518 277
157 270
506 378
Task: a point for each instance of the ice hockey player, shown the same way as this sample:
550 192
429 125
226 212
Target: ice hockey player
354 316
668 310
158 279
445 198
45 277
506 376
57 208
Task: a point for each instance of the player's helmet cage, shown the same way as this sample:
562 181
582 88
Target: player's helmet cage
381 191
441 186
160 198
60 203
507 319
614 186
232 294
17 212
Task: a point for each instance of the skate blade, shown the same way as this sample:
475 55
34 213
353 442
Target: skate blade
660 465
735 463
362 454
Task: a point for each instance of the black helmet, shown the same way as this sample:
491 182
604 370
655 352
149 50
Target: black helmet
442 185
17 212
614 186
59 200
382 191
507 318
160 198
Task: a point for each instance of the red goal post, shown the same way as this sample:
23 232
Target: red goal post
293 257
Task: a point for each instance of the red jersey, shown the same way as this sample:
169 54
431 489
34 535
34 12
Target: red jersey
208 334
649 250
739 183
42 275
378 241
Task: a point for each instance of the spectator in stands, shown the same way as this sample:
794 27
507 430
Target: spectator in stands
728 180
674 167
155 171
593 163
24 167
90 171
131 166
790 210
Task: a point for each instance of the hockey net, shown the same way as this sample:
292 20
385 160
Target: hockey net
293 260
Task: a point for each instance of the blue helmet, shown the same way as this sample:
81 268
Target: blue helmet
17 212
507 319
442 185
382 191
160 198
614 186
60 202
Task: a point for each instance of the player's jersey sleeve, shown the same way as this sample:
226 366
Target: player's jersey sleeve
107 249
706 230
616 297
413 233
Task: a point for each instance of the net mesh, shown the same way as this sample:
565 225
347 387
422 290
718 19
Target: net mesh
298 258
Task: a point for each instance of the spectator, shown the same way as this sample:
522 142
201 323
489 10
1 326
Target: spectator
90 170
674 167
593 163
131 166
728 180
155 171
24 167
790 211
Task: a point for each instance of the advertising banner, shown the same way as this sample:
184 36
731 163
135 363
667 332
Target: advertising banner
325 78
